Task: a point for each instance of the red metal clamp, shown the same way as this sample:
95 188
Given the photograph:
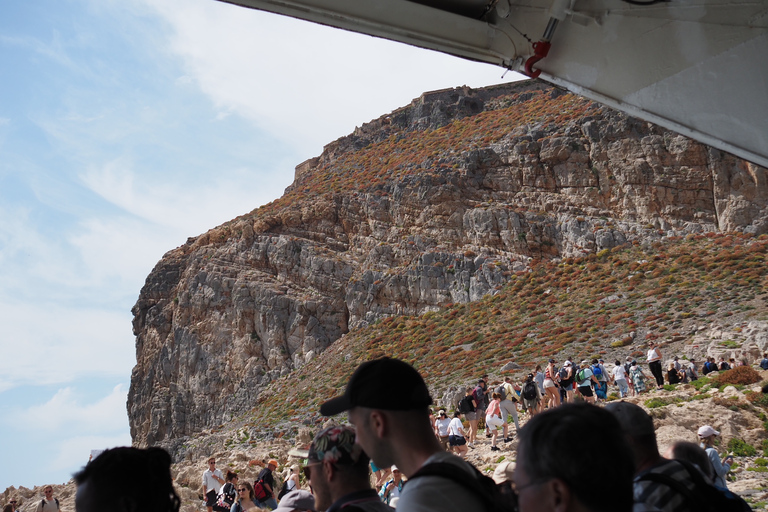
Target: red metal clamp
540 50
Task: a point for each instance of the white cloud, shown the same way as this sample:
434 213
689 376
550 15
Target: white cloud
308 83
68 342
79 448
66 411
190 208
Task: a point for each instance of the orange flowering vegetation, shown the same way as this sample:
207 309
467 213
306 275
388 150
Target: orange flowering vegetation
557 308
432 152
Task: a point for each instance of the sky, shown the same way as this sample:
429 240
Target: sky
125 128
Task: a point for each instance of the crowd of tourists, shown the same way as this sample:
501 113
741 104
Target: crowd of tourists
392 427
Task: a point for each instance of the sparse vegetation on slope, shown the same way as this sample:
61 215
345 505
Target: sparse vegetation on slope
581 307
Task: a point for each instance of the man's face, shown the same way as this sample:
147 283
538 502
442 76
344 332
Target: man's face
48 493
530 494
319 486
366 437
212 465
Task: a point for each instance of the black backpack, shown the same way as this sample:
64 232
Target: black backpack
706 497
529 390
465 405
564 374
483 487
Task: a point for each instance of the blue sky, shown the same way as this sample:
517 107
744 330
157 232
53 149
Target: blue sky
126 127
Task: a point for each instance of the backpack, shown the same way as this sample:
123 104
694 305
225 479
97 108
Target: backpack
479 395
283 490
503 392
529 390
483 487
565 373
597 371
226 497
706 497
465 405
581 375
259 491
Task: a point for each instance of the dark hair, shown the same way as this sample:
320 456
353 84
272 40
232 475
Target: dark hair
132 479
456 414
251 494
691 452
8 508
618 363
558 442
231 475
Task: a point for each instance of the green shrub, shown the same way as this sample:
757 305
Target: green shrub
765 447
761 462
655 402
740 448
669 387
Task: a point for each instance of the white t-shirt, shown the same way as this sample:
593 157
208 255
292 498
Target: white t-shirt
442 426
431 493
653 355
619 373
454 427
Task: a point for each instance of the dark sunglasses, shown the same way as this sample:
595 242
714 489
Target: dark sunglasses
308 471
242 490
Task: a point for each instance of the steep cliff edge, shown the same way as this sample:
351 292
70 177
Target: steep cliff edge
438 202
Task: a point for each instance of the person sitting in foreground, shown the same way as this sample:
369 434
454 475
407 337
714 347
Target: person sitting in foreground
127 480
550 474
337 472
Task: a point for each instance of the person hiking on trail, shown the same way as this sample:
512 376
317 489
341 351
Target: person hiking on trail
468 407
213 479
550 385
441 428
531 395
267 480
456 437
566 382
654 364
620 378
638 377
493 419
48 503
508 406
584 380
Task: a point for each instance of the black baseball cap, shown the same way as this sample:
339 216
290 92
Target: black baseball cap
386 383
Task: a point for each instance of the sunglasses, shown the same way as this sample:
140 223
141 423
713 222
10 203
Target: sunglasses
307 469
242 490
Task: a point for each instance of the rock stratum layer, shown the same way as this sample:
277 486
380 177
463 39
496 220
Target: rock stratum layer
438 202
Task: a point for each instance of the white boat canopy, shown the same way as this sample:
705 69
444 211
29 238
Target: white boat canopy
698 67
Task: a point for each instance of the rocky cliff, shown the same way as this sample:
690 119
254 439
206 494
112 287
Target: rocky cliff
438 202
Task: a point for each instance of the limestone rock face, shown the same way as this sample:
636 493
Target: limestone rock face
235 308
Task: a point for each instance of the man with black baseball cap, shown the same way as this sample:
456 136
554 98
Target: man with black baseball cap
388 403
